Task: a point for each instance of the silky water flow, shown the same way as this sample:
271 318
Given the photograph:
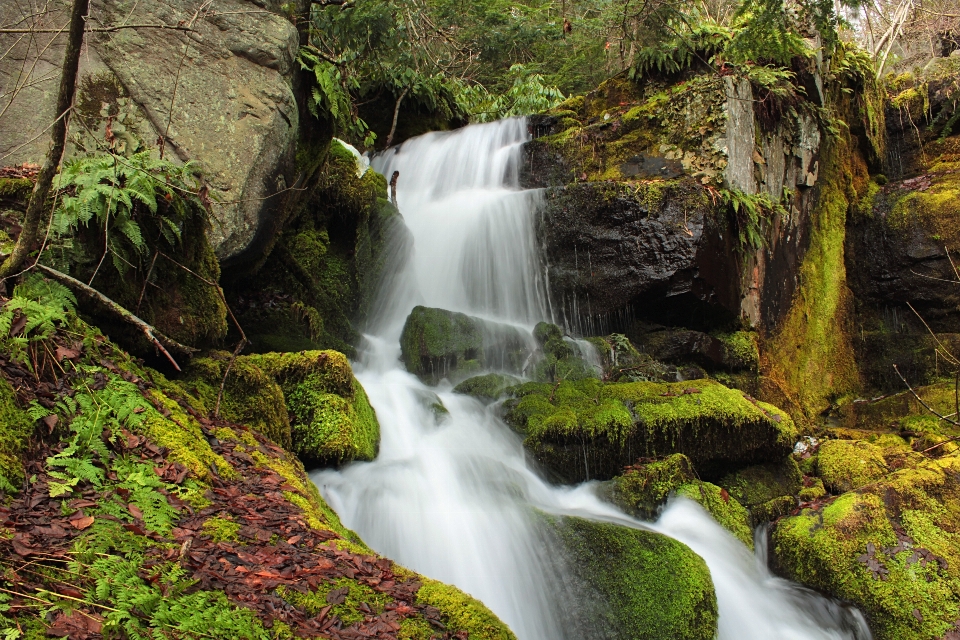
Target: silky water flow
454 497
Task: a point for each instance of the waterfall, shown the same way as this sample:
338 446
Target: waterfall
453 497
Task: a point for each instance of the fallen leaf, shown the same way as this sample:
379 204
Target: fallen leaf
18 324
65 353
51 422
82 523
135 511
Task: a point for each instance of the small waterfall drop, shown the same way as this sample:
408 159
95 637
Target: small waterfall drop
452 497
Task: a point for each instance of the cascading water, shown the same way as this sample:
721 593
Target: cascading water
452 498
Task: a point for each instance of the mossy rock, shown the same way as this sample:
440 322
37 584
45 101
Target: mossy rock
559 359
435 342
891 547
487 388
724 508
773 509
460 611
643 488
640 584
587 429
331 419
758 484
845 465
16 427
813 489
307 402
251 396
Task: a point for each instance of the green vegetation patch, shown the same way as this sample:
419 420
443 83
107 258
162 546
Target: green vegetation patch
435 342
724 508
755 485
644 487
488 388
16 427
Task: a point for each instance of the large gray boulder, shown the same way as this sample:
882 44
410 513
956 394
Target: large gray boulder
220 93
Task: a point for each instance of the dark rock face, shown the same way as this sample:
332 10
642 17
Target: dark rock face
657 249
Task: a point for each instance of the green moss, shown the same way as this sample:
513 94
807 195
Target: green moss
462 612
489 387
328 428
16 427
892 548
845 465
741 351
16 189
558 359
221 529
756 485
349 611
588 429
645 585
725 509
434 341
773 509
250 396
644 487
815 491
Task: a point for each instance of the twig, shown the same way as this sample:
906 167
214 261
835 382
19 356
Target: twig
146 280
922 402
158 339
173 97
946 351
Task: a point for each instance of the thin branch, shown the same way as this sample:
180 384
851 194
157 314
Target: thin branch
945 350
168 27
158 339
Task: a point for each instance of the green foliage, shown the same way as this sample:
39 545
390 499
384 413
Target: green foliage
528 94
142 609
767 31
684 43
749 212
114 192
44 304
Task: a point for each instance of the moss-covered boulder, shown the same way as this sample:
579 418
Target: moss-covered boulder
436 343
845 465
16 427
643 488
891 547
639 584
758 484
487 388
559 359
308 402
588 429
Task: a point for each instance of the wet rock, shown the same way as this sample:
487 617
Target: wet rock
638 583
644 487
731 352
560 357
759 484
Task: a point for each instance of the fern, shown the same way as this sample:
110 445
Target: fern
115 192
687 43
144 484
749 211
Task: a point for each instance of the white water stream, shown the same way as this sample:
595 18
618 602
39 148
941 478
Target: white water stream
452 498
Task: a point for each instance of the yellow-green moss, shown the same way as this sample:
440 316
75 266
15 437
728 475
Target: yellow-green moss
645 584
815 491
349 611
809 362
852 550
16 427
845 465
221 529
724 508
643 488
250 396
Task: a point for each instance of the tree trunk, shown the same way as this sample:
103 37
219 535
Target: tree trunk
58 138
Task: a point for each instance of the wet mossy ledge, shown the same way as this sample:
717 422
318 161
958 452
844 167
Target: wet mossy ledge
590 430
308 402
638 583
175 522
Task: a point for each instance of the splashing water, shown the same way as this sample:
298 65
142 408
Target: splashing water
452 498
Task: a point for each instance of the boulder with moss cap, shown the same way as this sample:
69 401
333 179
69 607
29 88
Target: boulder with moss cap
892 547
590 430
